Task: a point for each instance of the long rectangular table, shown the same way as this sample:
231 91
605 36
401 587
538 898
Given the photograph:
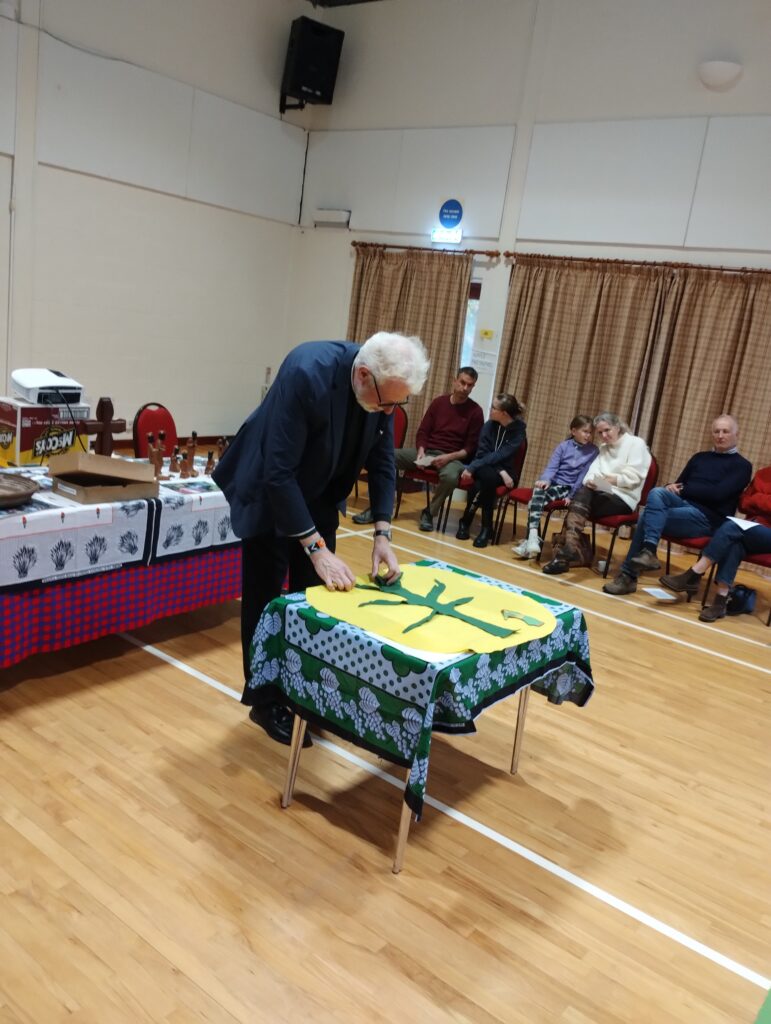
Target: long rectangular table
71 573
389 701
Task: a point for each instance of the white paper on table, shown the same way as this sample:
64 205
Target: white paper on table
660 594
424 460
744 524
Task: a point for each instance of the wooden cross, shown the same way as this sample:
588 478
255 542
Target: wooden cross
104 426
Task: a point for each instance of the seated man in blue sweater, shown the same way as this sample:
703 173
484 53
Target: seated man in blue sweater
694 505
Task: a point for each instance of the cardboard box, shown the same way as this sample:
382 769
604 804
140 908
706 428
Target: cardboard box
94 479
30 434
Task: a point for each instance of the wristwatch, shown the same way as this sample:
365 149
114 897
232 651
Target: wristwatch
317 545
383 533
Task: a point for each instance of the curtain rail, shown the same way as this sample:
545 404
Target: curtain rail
490 253
633 263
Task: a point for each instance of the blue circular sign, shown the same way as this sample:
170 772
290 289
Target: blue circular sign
450 214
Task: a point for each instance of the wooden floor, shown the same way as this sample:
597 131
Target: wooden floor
147 872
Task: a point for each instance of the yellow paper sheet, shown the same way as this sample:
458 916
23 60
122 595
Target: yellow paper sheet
443 634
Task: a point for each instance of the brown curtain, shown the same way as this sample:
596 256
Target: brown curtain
422 293
667 347
713 356
578 337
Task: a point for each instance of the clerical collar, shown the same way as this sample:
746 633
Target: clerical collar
728 451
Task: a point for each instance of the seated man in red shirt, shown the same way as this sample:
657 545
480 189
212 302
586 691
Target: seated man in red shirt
447 435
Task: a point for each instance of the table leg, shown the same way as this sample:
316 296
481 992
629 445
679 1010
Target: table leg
404 828
295 749
519 730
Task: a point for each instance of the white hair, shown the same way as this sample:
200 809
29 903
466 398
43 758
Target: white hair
612 420
391 356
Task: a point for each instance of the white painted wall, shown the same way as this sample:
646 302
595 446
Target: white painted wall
232 48
9 39
6 170
149 298
616 59
429 63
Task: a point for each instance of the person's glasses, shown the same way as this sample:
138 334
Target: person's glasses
386 405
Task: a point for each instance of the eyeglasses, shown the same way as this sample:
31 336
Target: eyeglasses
386 405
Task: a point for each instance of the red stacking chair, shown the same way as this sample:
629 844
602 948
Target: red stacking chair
614 523
151 419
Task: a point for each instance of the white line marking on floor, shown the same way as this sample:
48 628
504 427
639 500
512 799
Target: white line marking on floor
497 837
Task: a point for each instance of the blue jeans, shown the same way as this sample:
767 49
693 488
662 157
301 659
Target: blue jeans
731 545
668 513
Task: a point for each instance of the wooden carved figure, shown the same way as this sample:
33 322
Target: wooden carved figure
192 444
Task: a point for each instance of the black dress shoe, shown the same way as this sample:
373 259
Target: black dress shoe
462 532
277 721
483 538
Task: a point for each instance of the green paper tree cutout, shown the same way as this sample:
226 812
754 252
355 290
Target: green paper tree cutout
431 601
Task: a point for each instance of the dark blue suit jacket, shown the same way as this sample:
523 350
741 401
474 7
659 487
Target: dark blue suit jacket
286 452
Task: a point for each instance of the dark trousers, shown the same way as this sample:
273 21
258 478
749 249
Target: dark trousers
265 560
487 480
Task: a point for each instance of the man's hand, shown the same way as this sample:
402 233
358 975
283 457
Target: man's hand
440 461
383 554
508 481
674 488
332 571
465 477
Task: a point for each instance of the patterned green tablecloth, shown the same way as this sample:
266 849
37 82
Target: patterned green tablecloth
389 701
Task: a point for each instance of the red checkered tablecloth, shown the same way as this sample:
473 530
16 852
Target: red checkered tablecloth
66 613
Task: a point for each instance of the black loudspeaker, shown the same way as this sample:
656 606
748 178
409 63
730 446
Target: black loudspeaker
311 63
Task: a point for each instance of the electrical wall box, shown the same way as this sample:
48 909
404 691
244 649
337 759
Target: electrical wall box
46 387
331 218
30 434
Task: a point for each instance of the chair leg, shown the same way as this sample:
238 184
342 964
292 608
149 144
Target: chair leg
613 535
708 584
399 489
444 514
669 555
500 518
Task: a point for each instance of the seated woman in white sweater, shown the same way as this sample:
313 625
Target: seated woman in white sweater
612 487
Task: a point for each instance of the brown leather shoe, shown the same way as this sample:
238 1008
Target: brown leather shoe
646 560
687 582
622 584
716 610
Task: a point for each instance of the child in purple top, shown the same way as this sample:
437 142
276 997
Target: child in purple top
560 480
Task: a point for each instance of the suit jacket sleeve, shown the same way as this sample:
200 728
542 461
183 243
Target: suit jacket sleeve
294 420
381 471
